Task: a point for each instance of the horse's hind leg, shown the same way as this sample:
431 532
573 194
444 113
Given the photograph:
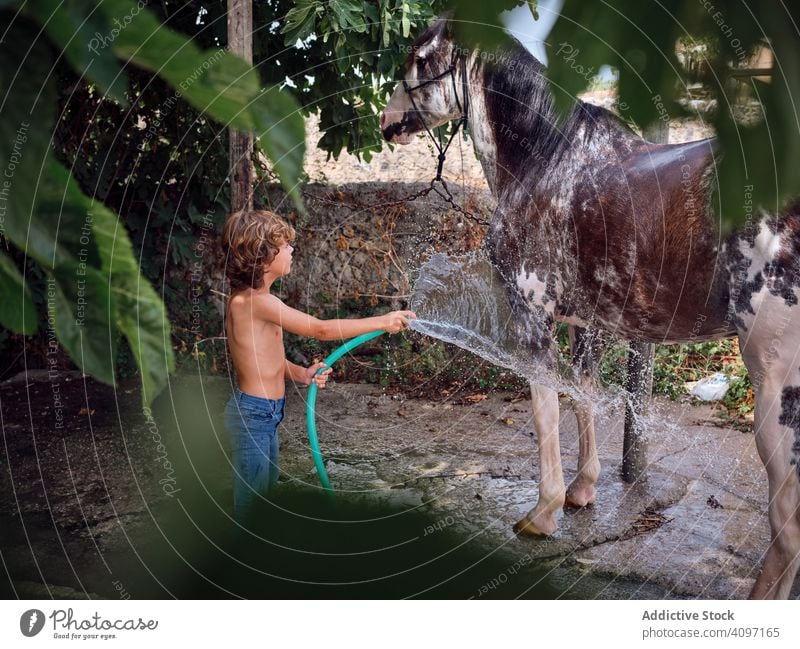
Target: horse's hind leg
771 351
777 425
581 491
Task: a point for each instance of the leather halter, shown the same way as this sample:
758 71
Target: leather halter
463 121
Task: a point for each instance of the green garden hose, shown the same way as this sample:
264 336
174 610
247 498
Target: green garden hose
311 407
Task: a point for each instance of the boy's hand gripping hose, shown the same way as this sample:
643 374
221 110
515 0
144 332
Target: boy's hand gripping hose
311 414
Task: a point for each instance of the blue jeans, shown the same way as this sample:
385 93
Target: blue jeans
253 426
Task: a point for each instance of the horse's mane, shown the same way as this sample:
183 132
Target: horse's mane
518 96
519 101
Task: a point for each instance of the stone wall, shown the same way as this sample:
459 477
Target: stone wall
361 241
356 253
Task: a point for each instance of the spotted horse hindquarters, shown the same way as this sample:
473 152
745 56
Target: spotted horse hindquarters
765 273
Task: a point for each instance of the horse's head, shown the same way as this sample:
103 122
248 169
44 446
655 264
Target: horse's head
431 90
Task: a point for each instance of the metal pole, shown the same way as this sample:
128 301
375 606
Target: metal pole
640 386
640 376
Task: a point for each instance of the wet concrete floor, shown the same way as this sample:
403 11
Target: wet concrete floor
81 508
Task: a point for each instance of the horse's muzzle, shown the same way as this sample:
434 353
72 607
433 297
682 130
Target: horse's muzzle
395 134
399 128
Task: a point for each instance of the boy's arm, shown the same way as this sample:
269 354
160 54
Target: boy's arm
308 375
271 309
296 373
305 375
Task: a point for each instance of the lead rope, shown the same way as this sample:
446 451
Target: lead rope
463 123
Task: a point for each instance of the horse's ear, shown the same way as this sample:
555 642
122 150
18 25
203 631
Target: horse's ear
442 26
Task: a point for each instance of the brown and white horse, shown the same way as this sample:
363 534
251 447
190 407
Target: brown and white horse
597 227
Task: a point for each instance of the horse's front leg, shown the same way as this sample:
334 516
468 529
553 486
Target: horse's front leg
541 520
532 301
581 491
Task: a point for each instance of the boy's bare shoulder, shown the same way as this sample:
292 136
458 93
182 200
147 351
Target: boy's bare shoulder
251 298
239 303
267 300
255 304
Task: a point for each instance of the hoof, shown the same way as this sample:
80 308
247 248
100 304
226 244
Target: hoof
578 497
527 527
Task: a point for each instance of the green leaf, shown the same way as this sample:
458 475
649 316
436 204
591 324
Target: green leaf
406 21
757 169
84 33
138 311
83 313
41 217
26 122
651 80
477 22
371 12
635 38
348 16
61 222
18 313
94 304
387 18
81 309
580 42
195 215
43 213
300 21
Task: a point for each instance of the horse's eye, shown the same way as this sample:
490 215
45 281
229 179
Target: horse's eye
421 62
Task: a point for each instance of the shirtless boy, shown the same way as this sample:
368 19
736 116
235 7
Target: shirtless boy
258 251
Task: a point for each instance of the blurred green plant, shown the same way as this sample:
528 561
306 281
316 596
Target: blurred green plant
95 291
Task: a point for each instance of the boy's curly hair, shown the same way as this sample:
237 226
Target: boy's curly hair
250 239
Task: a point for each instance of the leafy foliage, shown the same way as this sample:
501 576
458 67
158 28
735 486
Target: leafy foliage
351 54
676 365
95 293
219 84
345 57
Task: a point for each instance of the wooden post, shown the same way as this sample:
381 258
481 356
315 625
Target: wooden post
640 375
240 148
